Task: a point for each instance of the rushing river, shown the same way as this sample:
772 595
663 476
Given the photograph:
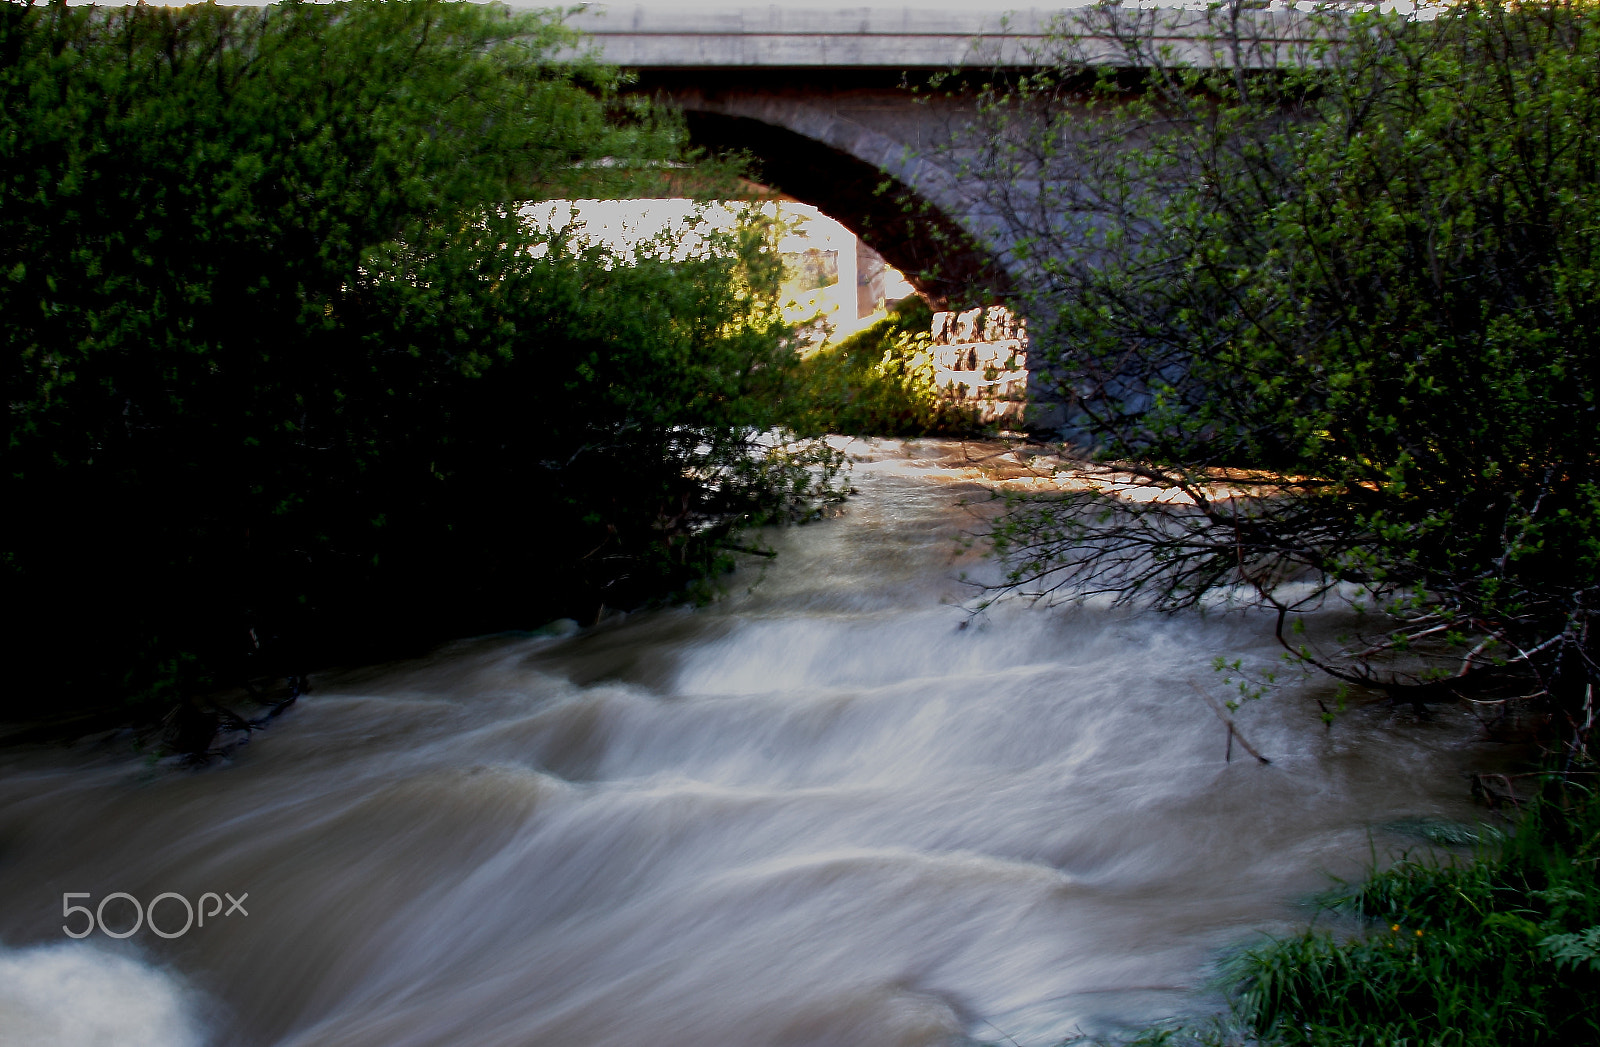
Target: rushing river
828 810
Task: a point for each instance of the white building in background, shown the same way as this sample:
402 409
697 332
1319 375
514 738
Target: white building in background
834 278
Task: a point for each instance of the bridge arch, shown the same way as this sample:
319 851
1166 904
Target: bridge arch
867 180
856 149
820 97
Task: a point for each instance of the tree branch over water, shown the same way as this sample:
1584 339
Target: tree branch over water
1326 311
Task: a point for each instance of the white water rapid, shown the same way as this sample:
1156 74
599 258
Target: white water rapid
828 810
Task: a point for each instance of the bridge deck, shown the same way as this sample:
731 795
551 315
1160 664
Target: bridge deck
880 37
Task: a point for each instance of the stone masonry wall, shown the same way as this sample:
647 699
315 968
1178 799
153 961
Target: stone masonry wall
980 359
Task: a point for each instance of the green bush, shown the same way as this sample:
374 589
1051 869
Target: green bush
1345 297
290 379
879 382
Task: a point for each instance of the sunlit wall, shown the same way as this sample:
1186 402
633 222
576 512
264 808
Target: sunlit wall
832 276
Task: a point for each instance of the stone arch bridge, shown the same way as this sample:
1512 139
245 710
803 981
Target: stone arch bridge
823 100
826 101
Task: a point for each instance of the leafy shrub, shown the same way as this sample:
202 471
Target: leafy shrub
879 382
1343 297
290 379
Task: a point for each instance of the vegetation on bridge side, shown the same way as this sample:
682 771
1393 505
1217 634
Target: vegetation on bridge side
879 382
290 379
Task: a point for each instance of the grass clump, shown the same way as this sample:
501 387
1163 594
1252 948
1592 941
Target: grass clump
1503 948
1499 948
880 382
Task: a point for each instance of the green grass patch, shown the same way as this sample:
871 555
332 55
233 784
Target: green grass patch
1499 948
1496 948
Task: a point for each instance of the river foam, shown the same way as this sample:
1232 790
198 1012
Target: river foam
72 995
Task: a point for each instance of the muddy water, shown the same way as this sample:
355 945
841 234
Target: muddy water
828 810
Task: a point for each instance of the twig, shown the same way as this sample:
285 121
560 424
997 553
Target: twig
1233 728
1001 1031
750 549
1481 790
